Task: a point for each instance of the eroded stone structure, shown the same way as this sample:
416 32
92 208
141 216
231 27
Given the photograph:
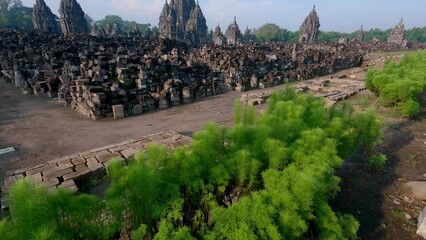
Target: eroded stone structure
397 36
183 20
43 18
120 76
308 32
233 33
359 35
72 18
218 37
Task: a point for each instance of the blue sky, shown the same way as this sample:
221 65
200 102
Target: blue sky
336 15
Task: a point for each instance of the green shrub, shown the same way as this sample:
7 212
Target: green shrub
377 162
400 85
270 176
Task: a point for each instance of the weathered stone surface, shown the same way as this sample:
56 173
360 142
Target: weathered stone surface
40 169
52 182
416 189
421 224
78 161
69 185
43 18
397 36
36 178
183 20
217 36
81 173
72 18
137 110
233 33
308 32
118 111
129 152
109 156
57 174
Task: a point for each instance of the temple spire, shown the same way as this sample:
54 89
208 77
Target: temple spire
313 8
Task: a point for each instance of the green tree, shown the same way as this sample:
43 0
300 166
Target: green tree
270 32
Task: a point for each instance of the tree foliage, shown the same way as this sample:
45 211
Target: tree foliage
13 14
400 85
125 25
271 32
270 176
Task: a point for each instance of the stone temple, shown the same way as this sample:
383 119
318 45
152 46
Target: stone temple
359 35
309 30
217 36
183 20
397 36
43 18
72 18
233 33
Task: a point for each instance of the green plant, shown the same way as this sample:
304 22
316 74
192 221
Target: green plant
270 176
377 162
400 85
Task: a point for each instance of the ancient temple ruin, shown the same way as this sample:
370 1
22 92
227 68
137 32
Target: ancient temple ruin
359 35
233 34
43 18
183 20
309 30
217 36
249 36
397 36
72 18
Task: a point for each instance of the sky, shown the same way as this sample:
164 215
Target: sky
335 15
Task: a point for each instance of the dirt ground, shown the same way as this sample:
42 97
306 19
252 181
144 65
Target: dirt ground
374 197
41 130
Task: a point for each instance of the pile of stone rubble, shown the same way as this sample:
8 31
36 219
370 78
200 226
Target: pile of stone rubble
95 75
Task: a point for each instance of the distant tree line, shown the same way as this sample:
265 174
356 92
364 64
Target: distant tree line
271 32
124 25
14 14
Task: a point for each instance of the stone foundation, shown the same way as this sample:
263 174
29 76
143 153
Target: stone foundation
71 171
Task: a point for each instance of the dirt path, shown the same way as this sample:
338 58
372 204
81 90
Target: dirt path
41 129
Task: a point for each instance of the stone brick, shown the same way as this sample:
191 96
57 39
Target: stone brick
9 181
78 161
41 169
36 178
59 173
69 185
145 141
137 110
156 137
56 169
81 172
118 111
117 149
93 154
50 183
108 156
94 166
129 152
92 161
